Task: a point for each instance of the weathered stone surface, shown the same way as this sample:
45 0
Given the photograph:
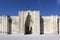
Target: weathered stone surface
30 21
50 24
15 24
34 23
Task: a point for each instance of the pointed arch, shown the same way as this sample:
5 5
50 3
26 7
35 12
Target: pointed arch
27 24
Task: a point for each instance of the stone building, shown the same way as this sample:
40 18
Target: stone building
29 22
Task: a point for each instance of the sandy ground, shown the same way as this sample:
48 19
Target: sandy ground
29 37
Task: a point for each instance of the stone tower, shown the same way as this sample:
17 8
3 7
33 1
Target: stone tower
6 24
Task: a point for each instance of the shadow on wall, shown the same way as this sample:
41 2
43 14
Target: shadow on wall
58 25
9 25
28 29
41 25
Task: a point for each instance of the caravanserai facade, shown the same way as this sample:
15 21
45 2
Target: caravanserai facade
29 22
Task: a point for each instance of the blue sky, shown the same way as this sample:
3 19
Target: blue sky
46 7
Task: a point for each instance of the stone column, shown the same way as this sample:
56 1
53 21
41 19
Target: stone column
36 22
54 26
21 22
6 24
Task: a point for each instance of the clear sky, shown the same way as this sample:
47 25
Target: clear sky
46 7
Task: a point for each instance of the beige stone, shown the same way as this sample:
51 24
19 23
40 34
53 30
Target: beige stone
30 22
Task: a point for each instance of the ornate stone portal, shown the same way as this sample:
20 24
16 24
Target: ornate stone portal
28 22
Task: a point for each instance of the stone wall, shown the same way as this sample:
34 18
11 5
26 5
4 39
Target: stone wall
50 24
15 24
0 24
37 25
